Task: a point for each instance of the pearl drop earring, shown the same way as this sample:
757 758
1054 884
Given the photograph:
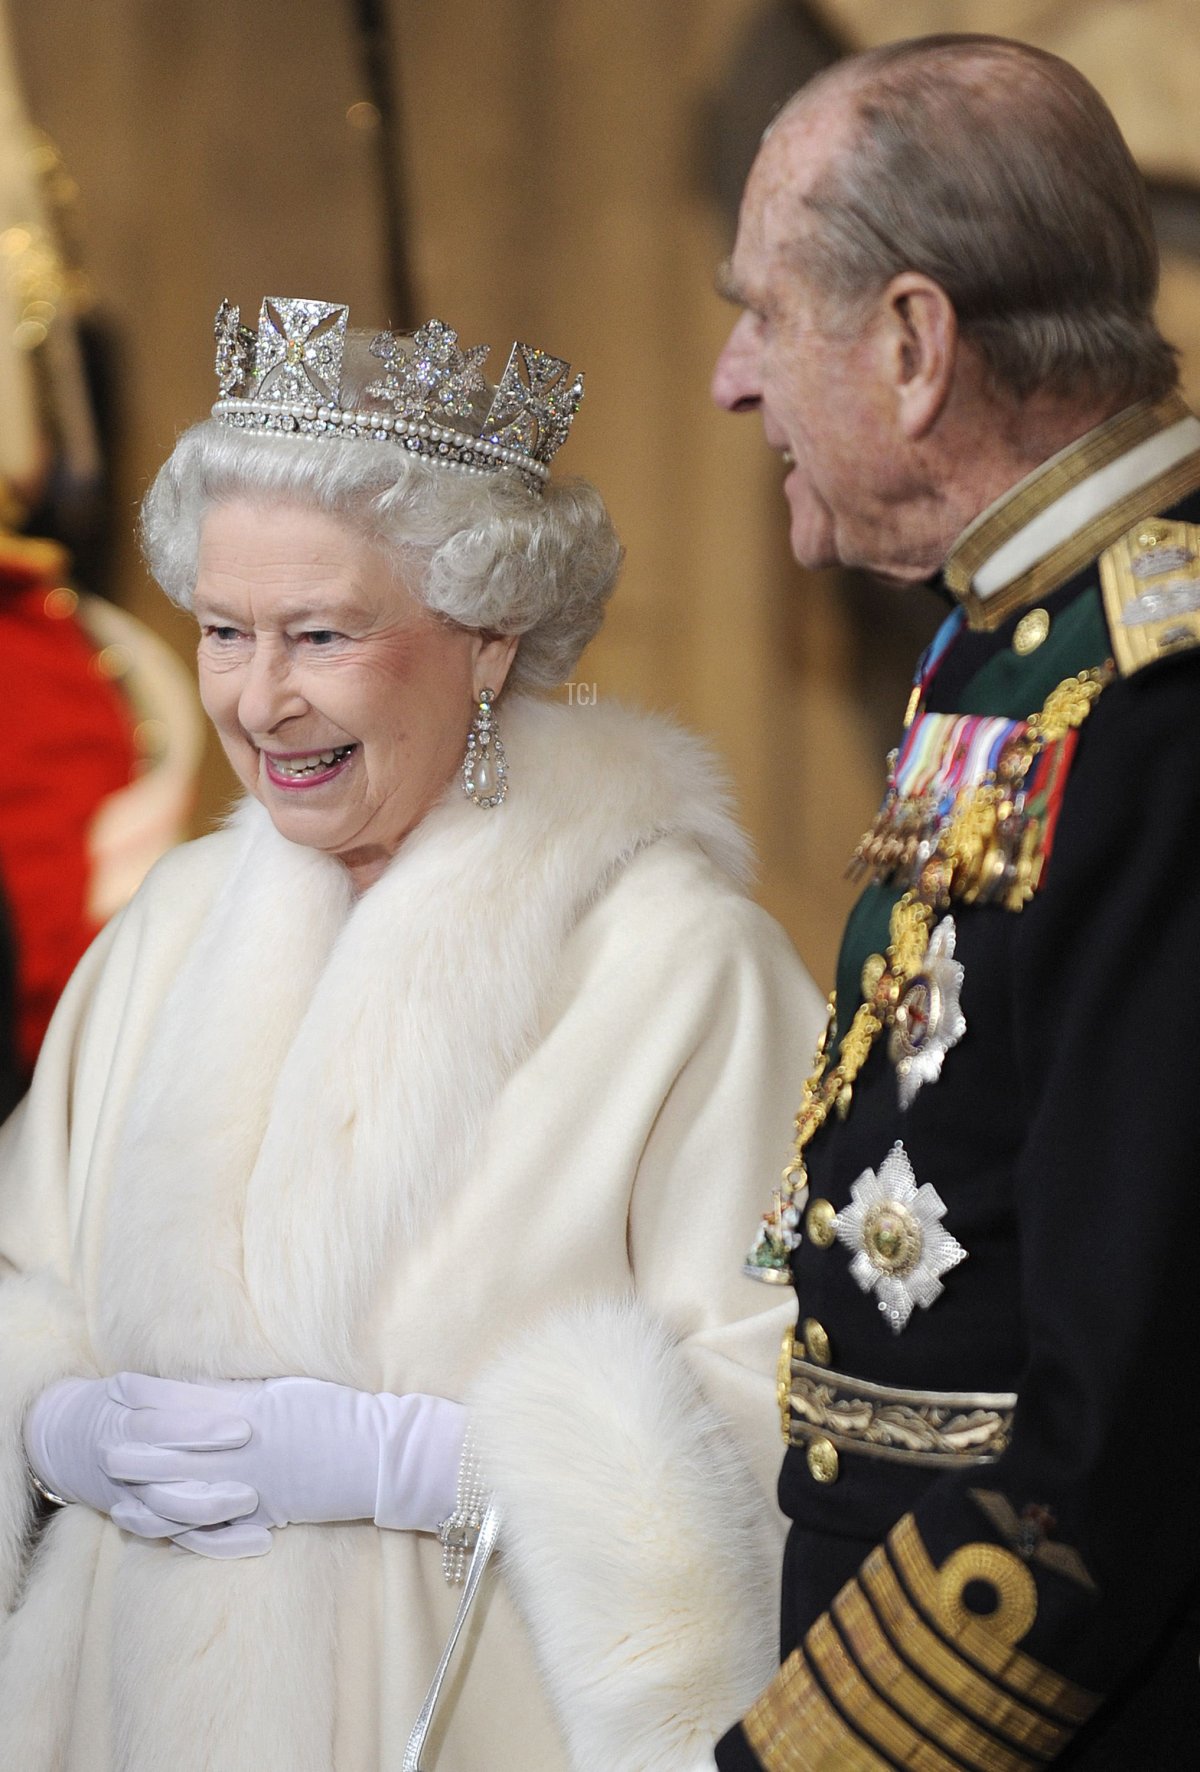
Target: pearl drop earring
484 769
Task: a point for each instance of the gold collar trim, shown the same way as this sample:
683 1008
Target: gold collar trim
1063 475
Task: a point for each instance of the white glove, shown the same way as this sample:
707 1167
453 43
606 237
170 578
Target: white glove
76 1428
313 1451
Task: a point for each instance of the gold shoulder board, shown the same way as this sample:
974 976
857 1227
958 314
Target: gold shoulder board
1151 585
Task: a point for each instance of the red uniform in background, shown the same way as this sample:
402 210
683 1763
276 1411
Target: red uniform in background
68 740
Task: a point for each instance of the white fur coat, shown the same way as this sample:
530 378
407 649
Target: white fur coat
500 1130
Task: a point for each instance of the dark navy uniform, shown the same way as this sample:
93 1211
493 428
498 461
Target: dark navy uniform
991 1402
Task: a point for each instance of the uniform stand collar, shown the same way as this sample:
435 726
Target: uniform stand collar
1048 526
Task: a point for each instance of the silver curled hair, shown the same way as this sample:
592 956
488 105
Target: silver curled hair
998 171
476 549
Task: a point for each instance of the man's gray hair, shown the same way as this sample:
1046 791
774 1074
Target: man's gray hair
476 548
998 171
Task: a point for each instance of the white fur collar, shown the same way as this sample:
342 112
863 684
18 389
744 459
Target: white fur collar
321 1067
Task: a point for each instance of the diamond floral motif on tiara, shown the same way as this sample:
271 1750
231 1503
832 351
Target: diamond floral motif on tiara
901 1245
235 350
534 412
300 348
435 380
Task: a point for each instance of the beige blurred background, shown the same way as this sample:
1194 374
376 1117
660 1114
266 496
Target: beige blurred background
563 169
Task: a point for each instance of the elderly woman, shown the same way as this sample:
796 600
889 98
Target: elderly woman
437 1088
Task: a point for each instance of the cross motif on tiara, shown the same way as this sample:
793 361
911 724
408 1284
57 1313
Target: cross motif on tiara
534 411
235 350
300 346
436 380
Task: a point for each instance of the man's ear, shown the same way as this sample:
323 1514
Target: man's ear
920 335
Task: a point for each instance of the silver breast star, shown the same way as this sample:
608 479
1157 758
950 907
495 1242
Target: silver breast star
900 1245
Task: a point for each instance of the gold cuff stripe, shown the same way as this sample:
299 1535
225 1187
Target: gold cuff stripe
794 1728
867 1711
1072 555
1020 1673
908 1692
1123 432
922 1647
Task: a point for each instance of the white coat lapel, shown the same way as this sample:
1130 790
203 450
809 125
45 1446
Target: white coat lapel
171 1290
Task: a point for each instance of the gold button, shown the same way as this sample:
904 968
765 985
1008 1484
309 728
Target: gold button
1030 631
816 1342
818 1222
823 1461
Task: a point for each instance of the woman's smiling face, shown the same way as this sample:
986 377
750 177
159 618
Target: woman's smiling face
340 700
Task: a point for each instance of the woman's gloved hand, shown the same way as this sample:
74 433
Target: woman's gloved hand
216 1465
313 1451
75 1430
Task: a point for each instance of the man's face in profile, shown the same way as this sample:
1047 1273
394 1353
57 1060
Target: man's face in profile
811 372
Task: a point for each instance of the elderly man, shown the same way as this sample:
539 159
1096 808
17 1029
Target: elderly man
946 271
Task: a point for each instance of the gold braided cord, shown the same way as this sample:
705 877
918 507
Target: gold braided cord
911 922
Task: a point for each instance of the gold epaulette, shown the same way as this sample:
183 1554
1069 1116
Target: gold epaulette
1151 585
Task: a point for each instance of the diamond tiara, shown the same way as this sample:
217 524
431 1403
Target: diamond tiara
303 373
